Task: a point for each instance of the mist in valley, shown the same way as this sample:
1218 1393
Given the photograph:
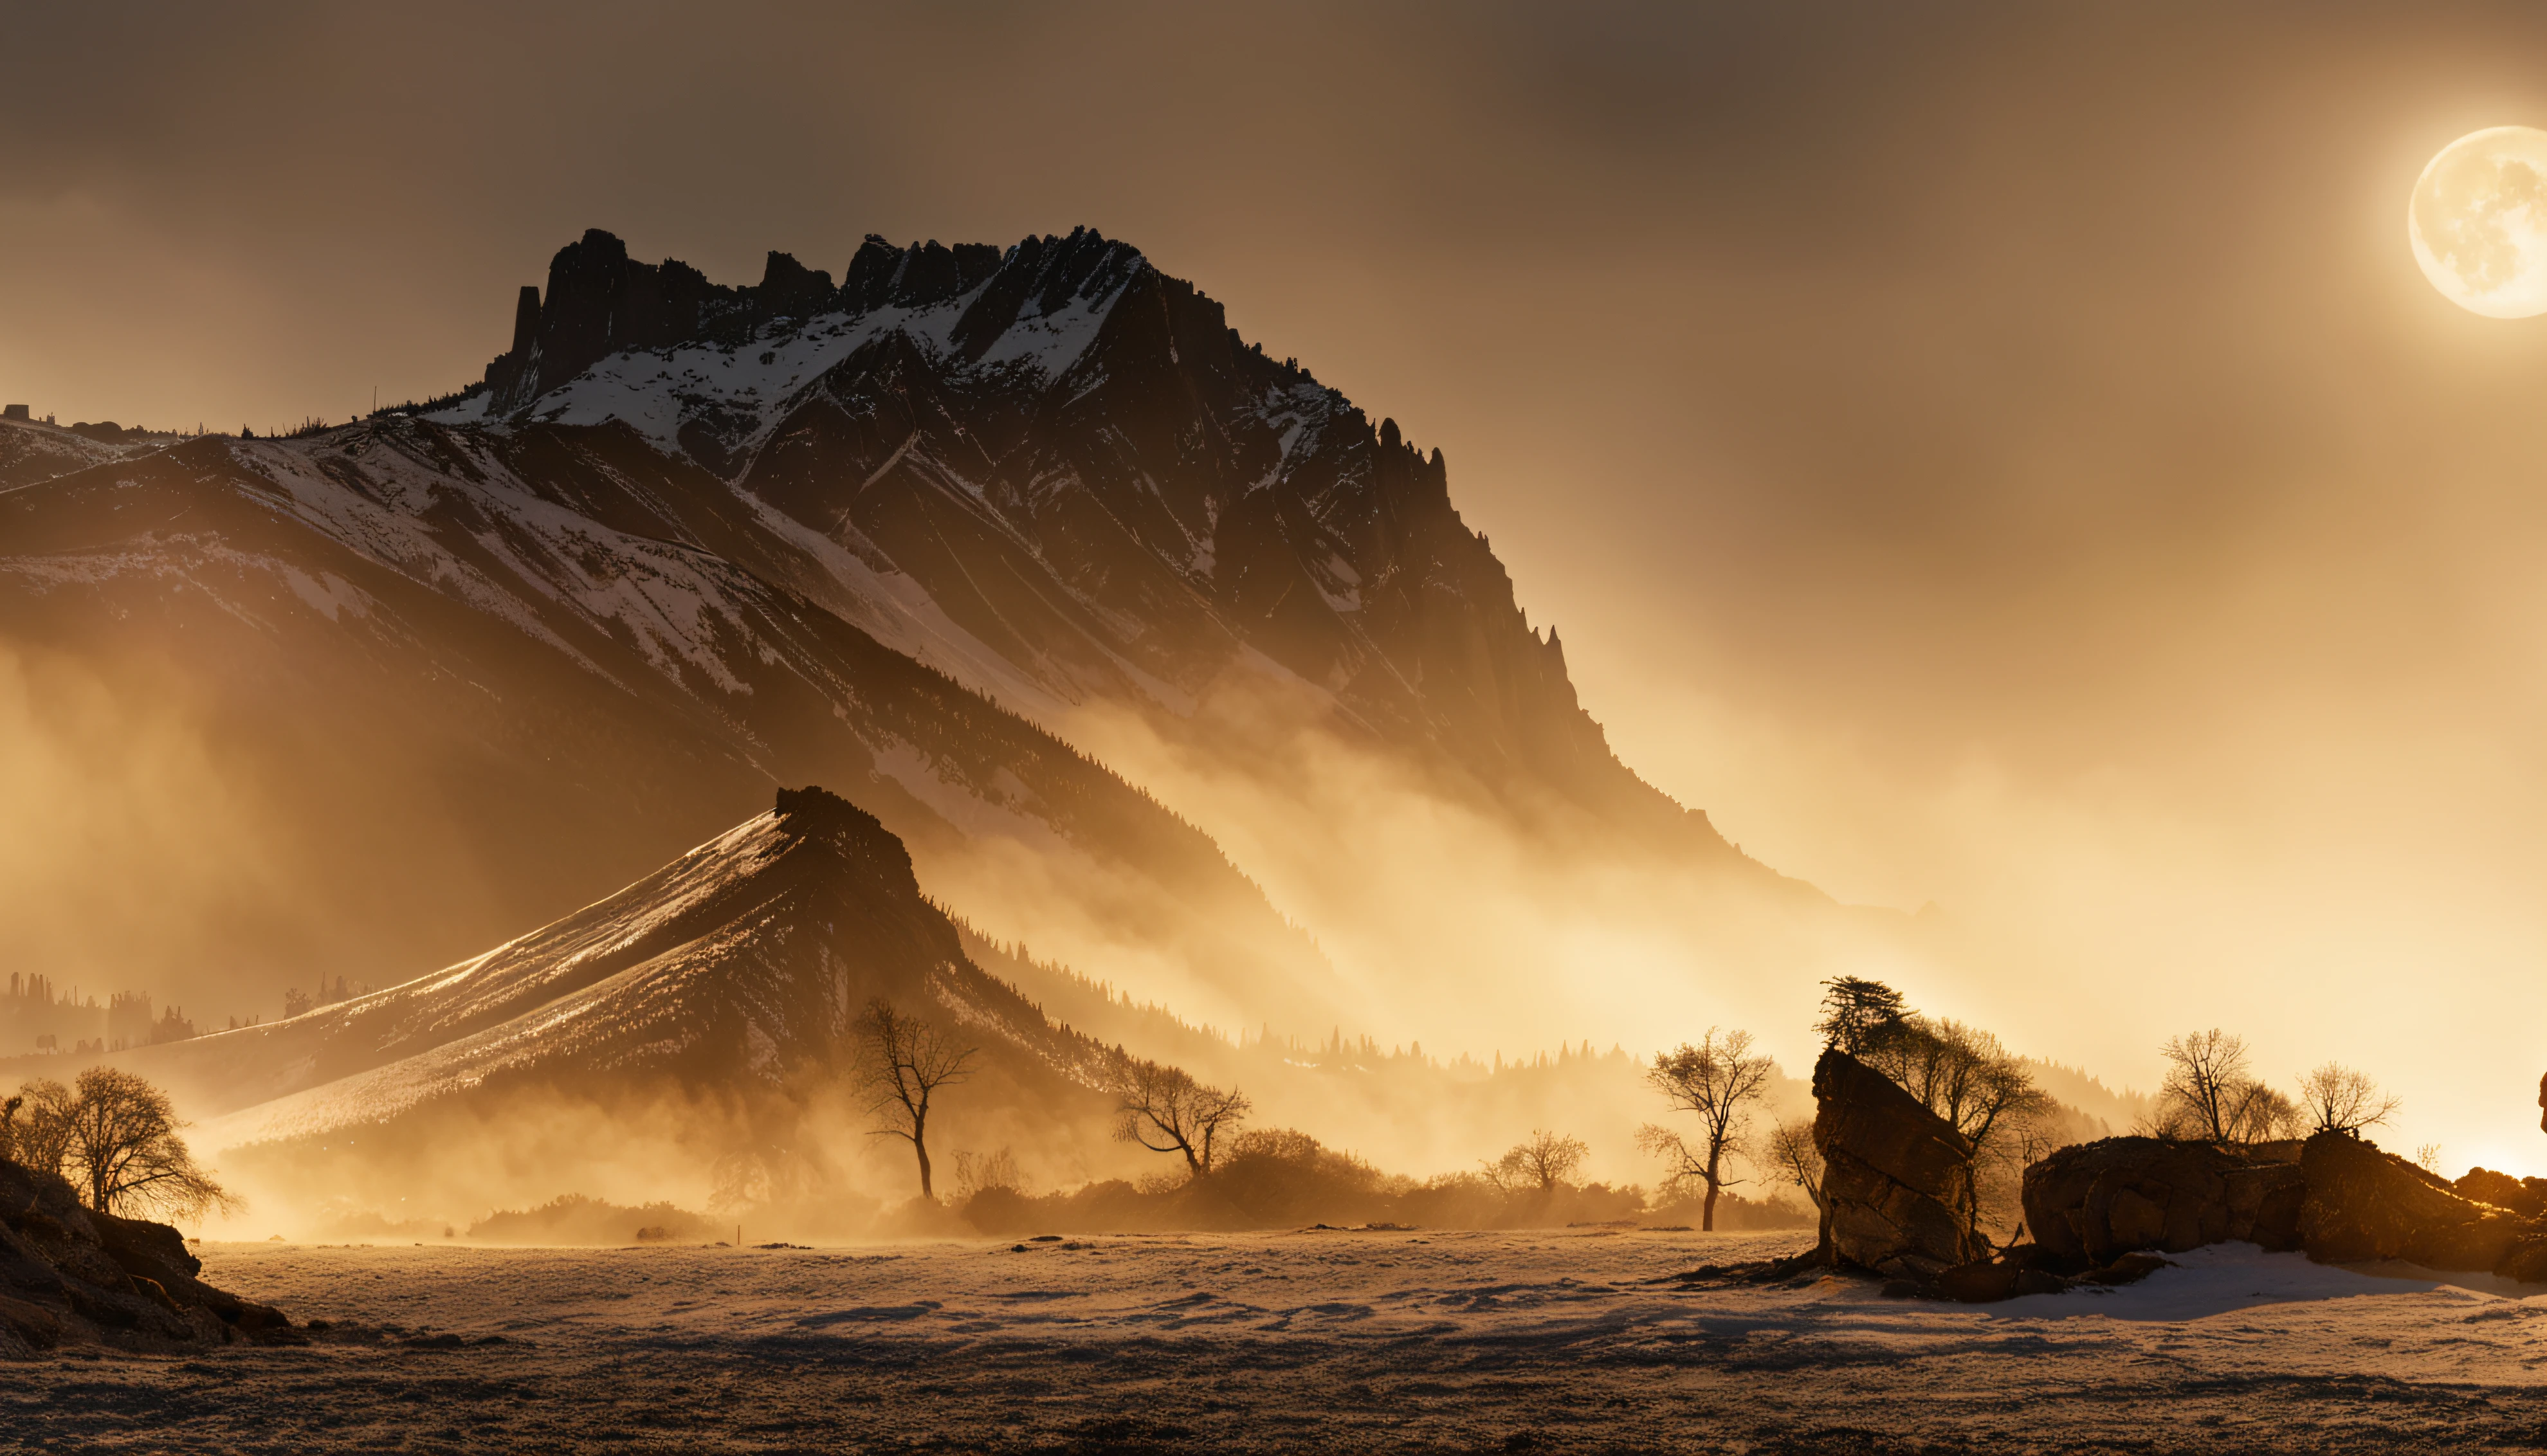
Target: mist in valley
2093 665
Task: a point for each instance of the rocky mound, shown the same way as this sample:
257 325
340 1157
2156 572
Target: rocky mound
2524 1196
2088 1204
2364 1204
72 1277
2106 1211
1897 1189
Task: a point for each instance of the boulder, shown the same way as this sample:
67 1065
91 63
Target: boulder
1898 1180
155 1254
2524 1196
1987 1281
72 1277
2030 1268
2090 1203
2364 1204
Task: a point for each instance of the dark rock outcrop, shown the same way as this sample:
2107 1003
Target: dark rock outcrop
2100 1213
601 301
2365 1204
72 1277
1897 1185
2020 1271
2090 1203
2527 1197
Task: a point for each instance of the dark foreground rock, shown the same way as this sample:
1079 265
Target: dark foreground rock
2088 1204
2027 1269
1897 1180
2104 1212
72 1277
2524 1196
2364 1204
2340 1199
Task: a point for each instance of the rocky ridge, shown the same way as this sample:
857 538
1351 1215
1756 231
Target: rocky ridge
1094 477
736 968
73 1277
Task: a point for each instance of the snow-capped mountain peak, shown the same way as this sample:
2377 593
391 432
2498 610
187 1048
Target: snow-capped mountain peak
1086 475
710 369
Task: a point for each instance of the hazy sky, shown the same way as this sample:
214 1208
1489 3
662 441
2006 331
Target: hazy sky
1984 456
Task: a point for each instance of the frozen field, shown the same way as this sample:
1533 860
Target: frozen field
1297 1341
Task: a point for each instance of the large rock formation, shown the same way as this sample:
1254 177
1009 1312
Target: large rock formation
2524 1196
600 302
2341 1199
1897 1184
69 1276
2102 1212
2087 1204
2365 1204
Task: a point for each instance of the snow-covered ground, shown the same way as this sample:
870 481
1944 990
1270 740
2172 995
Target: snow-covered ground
1562 1340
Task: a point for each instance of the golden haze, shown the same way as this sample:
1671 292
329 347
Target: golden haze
2011 464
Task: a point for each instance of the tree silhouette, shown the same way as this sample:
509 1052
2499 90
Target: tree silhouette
113 1137
1164 1109
1856 1010
1546 1162
2210 1096
2334 1099
1793 1154
902 1063
1717 1079
1962 1074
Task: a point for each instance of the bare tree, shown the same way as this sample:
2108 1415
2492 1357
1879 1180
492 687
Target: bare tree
978 1172
1793 1154
1543 1163
113 1137
2208 1094
39 1135
766 1165
902 1063
2206 1070
2258 1114
2334 1099
1718 1079
1855 1010
1962 1074
9 1126
1164 1109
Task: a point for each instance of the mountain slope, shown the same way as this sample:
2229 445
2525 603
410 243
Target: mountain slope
1090 475
477 677
945 533
32 451
691 1037
736 968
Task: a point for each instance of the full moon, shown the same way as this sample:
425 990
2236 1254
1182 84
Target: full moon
2478 221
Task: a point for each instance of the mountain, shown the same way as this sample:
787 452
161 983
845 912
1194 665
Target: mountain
458 680
1098 487
701 1018
1009 544
704 1008
742 962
